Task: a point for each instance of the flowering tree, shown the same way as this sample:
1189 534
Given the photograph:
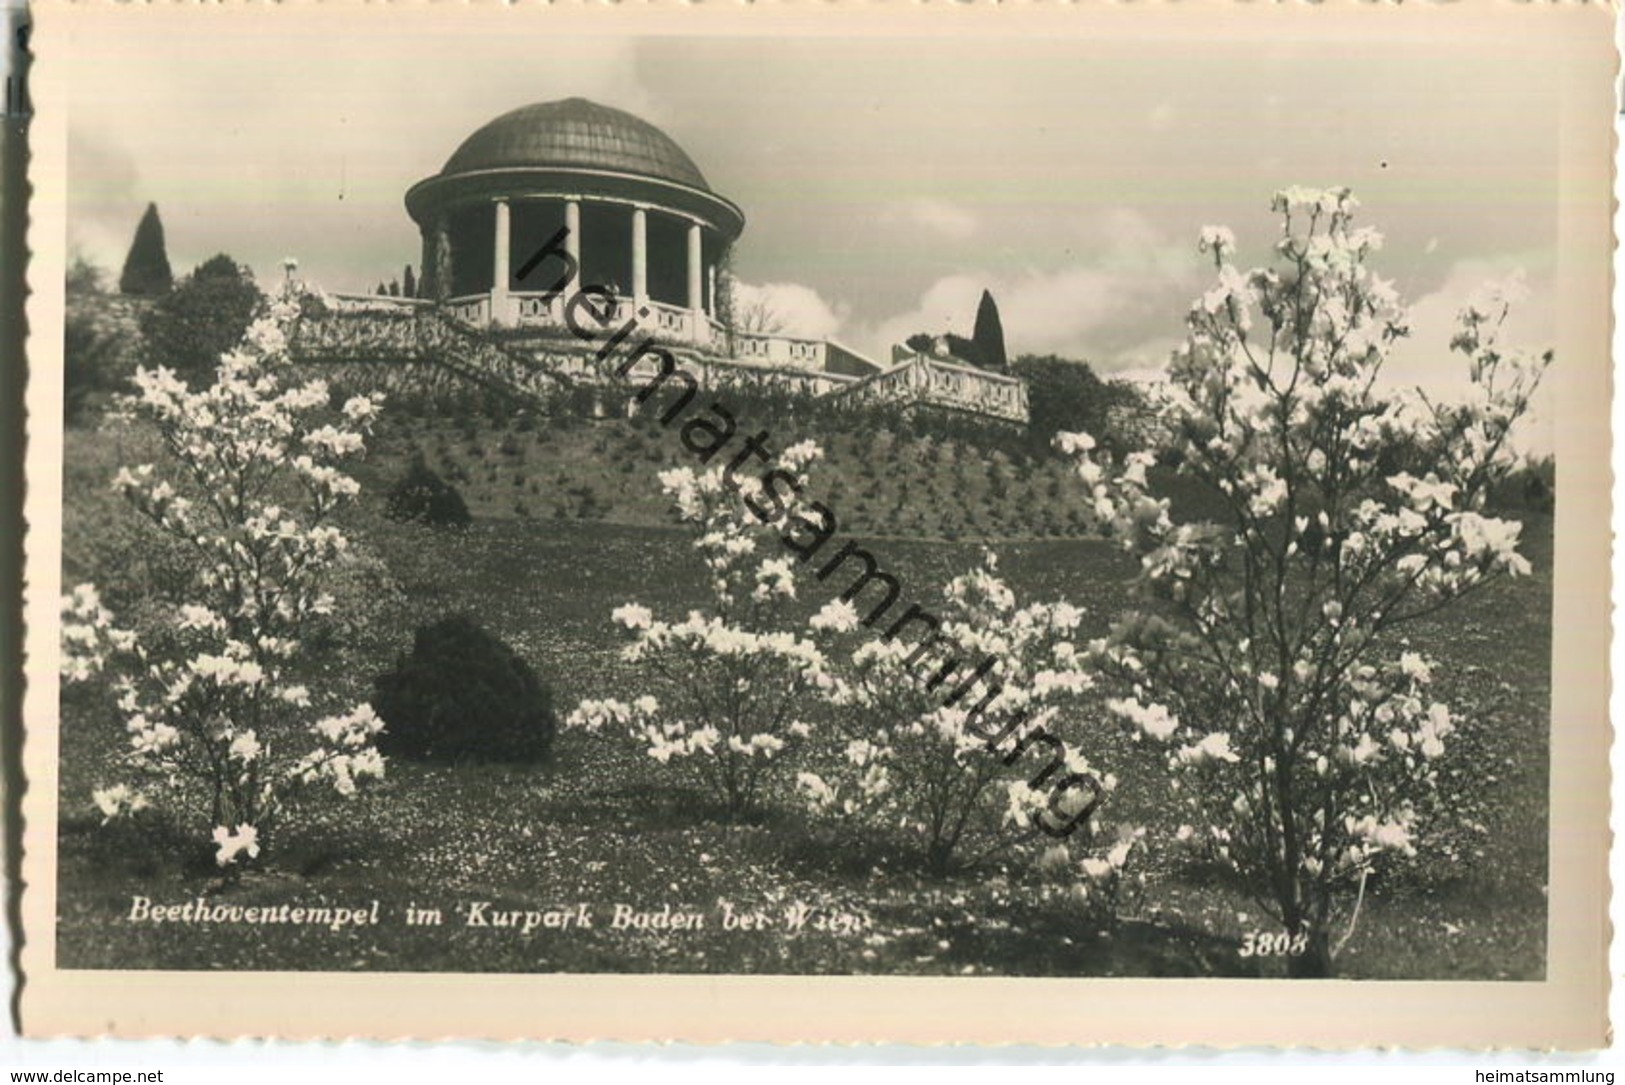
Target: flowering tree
915 761
1269 660
216 718
733 680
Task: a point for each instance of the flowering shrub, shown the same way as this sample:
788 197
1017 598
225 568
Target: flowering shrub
912 760
1098 884
733 681
218 721
1298 724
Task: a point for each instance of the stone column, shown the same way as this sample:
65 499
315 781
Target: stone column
426 262
698 329
441 233
572 240
572 246
499 265
640 257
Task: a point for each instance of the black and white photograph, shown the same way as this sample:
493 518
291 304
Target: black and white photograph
997 497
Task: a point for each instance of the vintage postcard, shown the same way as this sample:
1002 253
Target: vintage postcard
918 523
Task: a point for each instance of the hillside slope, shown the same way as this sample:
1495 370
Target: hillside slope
878 484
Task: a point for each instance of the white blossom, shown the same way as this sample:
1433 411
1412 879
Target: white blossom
1271 625
724 714
1155 720
230 843
253 432
836 616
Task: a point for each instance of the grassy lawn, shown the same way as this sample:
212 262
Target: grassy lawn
603 826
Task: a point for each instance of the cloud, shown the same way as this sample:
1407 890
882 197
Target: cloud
108 207
788 308
1122 307
1149 374
1116 308
941 217
1147 361
1424 358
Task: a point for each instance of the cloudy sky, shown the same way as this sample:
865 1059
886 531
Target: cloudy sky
886 182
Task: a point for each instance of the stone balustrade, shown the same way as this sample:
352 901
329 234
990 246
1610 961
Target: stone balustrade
361 329
475 309
779 350
925 380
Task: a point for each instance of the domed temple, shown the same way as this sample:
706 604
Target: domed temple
640 217
572 183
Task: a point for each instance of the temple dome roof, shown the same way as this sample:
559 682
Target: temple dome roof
575 134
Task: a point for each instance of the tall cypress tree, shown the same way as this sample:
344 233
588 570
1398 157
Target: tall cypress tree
989 335
146 268
409 283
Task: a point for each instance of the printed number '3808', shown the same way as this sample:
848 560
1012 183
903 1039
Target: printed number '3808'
1269 944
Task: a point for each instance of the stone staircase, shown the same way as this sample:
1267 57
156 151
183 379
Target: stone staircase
922 381
423 334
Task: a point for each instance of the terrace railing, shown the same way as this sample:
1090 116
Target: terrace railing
781 350
925 380
422 334
360 329
674 324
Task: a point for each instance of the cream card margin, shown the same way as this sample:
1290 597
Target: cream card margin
1567 1010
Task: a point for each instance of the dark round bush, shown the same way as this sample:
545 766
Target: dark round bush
463 695
424 496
